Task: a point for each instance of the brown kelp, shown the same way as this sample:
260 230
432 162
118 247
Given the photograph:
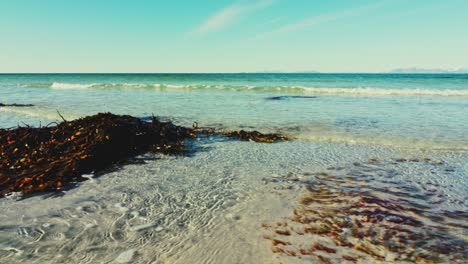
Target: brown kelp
350 216
46 158
255 136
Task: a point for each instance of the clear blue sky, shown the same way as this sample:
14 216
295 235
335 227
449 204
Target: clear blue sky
231 36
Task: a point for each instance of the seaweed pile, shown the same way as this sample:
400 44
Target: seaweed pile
349 218
46 158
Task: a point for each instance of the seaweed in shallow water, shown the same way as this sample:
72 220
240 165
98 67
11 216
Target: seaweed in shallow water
255 136
46 158
342 218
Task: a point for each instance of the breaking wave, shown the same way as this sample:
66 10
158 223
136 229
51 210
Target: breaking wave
358 91
71 86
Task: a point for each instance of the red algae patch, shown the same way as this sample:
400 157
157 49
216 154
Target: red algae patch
348 216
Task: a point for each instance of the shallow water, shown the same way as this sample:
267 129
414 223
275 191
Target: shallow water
421 110
395 131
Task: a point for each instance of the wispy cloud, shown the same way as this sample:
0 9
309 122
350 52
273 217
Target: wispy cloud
229 15
321 19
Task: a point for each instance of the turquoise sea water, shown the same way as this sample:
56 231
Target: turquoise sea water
427 109
402 133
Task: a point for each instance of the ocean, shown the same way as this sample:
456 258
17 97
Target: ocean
401 138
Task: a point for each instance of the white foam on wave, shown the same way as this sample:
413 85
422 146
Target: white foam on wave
80 86
70 86
327 91
333 91
171 86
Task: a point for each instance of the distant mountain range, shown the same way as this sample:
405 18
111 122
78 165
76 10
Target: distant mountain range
423 70
398 70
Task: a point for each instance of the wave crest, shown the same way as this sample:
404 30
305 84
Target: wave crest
70 86
335 91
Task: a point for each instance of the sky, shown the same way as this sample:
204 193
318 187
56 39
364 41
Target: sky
232 35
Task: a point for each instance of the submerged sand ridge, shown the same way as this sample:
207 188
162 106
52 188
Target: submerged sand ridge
46 158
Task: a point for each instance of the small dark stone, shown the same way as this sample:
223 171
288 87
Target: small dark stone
287 97
15 105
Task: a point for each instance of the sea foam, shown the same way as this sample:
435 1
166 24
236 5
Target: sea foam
70 86
332 91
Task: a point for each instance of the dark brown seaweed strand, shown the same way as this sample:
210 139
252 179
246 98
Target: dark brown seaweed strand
47 158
